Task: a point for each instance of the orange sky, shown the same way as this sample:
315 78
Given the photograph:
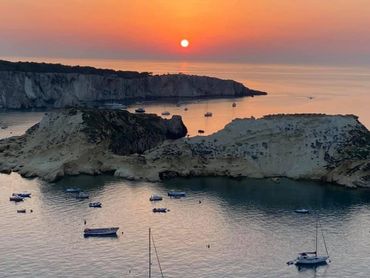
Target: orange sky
336 31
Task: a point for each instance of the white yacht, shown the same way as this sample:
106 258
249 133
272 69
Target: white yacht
312 258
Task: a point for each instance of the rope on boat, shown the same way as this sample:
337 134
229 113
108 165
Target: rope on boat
156 254
322 233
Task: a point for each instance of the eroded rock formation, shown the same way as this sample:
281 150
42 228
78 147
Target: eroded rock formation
303 146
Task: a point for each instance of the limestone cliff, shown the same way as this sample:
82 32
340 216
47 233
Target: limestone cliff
303 146
33 85
75 141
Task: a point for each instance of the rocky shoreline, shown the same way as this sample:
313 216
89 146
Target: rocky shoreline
146 147
39 85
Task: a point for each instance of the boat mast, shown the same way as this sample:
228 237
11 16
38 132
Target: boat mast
316 235
150 255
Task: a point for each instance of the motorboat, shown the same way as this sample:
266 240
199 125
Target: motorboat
21 210
166 113
73 190
155 198
301 211
16 198
95 205
311 259
23 194
140 110
176 194
82 195
208 114
163 210
111 231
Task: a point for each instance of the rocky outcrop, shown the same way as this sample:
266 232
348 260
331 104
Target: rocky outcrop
303 146
75 141
32 85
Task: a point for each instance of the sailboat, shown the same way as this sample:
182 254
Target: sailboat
312 258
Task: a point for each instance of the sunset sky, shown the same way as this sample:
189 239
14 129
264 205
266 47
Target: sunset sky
266 31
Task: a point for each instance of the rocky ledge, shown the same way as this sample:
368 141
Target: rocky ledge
38 85
303 146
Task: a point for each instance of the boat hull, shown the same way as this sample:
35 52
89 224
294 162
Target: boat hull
319 260
101 232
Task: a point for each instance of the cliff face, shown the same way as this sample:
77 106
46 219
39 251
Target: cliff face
37 88
75 141
320 147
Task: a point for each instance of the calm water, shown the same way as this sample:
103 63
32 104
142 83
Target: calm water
249 224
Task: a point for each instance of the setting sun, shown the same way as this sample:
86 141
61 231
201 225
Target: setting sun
184 43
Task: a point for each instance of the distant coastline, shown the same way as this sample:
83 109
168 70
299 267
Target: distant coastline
28 85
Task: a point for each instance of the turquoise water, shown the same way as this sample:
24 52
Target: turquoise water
249 224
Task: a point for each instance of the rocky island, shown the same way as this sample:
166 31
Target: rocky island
26 85
146 147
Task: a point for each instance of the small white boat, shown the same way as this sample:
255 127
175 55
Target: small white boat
112 231
23 194
155 198
208 114
95 205
140 110
166 113
82 195
16 198
176 194
162 210
73 190
301 211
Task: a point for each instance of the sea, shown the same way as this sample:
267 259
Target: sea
223 227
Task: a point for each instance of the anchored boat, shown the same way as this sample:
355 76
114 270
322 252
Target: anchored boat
16 198
73 190
23 194
155 198
82 195
163 210
302 211
311 259
111 231
95 205
176 194
140 110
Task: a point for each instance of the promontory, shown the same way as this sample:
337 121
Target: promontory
25 85
330 148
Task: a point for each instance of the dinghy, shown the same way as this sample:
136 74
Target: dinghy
95 205
112 231
176 194
155 198
163 210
